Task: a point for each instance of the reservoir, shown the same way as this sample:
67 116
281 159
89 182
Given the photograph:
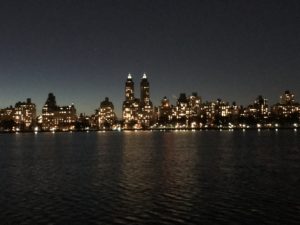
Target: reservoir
202 177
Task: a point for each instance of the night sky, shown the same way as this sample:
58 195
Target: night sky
83 50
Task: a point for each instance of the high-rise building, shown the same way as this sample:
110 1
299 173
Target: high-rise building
56 117
137 113
287 98
259 109
182 111
145 90
195 103
130 106
22 117
287 107
67 117
25 114
165 111
146 106
107 116
129 89
49 113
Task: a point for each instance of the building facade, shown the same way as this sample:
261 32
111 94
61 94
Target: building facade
107 117
56 117
22 117
146 117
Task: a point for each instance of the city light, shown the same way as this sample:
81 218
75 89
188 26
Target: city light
189 112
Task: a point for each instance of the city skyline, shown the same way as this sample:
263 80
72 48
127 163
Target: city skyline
82 51
139 113
137 94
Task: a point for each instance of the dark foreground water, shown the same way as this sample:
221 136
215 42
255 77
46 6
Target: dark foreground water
205 177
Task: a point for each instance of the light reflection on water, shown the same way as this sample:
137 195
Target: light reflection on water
206 177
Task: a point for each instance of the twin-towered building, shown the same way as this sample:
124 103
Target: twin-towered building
137 113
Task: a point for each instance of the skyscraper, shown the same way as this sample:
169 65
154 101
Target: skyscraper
145 92
130 106
146 106
129 89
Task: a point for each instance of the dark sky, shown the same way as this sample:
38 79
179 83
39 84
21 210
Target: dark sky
83 50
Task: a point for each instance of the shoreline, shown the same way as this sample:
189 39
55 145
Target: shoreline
157 129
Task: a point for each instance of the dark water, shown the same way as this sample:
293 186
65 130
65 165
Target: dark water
205 177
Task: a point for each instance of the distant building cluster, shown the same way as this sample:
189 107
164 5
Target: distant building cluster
189 112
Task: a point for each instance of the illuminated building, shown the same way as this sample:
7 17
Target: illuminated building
146 106
85 122
7 122
235 110
49 114
259 109
22 117
287 109
287 98
182 111
7 113
195 104
56 117
93 120
165 111
215 113
107 116
256 114
222 108
25 115
67 117
130 106
208 112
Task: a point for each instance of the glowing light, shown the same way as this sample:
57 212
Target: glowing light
144 76
129 76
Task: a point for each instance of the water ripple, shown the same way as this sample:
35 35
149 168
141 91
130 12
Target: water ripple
150 178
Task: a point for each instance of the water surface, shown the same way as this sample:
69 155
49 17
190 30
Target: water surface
205 177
